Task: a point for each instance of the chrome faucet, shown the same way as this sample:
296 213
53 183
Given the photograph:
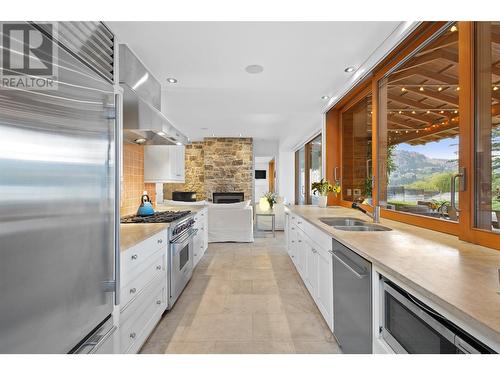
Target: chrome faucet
376 212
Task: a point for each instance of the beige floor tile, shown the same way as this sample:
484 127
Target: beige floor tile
208 303
316 347
271 327
244 298
307 327
252 303
254 347
198 347
221 327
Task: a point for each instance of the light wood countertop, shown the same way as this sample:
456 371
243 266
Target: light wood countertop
459 276
132 234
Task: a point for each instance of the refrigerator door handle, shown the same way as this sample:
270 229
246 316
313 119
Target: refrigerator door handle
118 153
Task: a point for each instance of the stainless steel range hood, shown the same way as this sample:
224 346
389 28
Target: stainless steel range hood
143 123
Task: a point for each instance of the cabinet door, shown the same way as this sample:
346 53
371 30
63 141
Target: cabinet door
324 295
301 249
177 156
292 244
311 277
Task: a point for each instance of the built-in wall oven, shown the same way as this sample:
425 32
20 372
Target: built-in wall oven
180 258
410 326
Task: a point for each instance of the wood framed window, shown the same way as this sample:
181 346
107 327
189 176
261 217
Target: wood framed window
308 167
435 132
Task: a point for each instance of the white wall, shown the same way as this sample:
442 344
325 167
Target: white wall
261 186
286 175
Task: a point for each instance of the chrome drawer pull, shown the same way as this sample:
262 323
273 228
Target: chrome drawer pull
132 335
134 257
158 267
160 241
133 290
158 302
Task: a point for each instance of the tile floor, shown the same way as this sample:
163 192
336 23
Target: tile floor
244 298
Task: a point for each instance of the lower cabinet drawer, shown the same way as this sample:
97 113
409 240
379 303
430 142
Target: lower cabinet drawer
151 268
136 320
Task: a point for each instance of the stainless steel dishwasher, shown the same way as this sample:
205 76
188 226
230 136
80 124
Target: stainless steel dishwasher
352 300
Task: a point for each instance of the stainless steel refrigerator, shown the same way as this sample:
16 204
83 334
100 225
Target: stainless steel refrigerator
58 198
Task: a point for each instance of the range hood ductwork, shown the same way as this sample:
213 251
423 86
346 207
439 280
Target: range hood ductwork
143 123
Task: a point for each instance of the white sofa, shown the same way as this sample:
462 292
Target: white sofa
265 222
230 222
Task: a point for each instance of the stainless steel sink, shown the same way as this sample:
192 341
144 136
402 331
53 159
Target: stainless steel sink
341 221
363 228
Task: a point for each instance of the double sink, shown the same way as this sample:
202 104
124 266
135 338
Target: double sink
352 224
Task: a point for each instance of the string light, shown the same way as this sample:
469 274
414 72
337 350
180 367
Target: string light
441 112
495 88
421 88
400 112
458 88
453 28
403 89
440 88
428 112
413 112
455 111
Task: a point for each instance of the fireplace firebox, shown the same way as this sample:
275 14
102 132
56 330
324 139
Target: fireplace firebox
228 197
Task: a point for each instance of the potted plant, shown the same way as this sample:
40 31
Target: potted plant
322 188
271 199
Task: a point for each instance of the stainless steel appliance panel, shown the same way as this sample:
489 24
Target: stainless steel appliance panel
57 187
180 264
352 300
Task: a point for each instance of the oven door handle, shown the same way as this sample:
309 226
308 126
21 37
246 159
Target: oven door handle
184 237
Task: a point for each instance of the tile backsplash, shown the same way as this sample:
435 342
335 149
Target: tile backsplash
133 179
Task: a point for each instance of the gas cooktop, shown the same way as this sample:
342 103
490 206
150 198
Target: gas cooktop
157 217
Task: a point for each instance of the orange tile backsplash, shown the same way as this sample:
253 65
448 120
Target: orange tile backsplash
133 179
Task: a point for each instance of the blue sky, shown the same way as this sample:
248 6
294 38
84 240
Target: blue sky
443 149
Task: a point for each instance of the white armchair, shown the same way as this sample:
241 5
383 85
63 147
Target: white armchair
231 222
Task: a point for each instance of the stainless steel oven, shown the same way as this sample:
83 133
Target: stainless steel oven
180 258
410 326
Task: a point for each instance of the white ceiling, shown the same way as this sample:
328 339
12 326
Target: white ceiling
302 61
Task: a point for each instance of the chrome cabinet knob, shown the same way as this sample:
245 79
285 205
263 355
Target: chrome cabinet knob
160 241
300 240
132 335
132 291
299 222
158 267
158 302
293 241
134 257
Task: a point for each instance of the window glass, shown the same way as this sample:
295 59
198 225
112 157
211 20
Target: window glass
357 152
418 131
315 170
487 127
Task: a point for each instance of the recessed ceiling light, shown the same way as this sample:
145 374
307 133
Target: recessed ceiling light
254 69
171 80
140 141
325 97
349 69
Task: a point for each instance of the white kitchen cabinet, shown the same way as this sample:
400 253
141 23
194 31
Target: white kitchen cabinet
309 249
142 291
301 250
164 164
311 266
324 294
200 240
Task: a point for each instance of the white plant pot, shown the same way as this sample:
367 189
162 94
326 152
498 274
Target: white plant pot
322 201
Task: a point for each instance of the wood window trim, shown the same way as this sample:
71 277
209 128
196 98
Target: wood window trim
464 229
